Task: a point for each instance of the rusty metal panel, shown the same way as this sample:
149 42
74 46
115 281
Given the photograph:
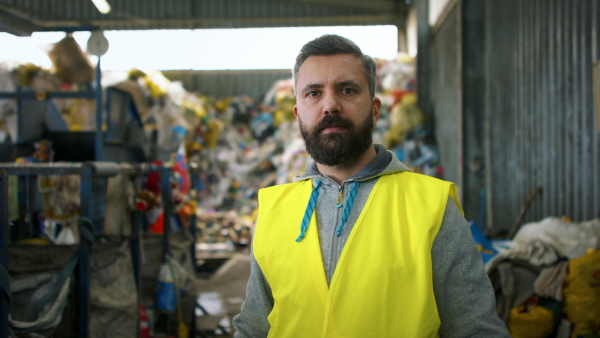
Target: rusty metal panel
540 113
221 84
446 93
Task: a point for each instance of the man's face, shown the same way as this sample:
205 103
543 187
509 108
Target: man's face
334 108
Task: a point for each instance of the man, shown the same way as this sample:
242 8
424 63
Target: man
358 246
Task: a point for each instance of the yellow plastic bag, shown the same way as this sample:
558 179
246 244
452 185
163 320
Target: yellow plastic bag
532 322
582 294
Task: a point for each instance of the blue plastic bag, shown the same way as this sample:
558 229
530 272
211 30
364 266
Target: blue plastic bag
484 245
165 297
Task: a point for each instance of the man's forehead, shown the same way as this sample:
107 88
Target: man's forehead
347 59
341 68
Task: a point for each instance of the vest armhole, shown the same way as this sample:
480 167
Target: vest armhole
452 193
256 239
449 193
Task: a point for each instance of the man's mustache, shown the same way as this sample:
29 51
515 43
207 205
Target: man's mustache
333 121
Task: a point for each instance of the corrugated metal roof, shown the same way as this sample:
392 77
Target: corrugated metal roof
42 15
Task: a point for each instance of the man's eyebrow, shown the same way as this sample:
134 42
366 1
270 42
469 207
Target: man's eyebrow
339 84
312 86
348 83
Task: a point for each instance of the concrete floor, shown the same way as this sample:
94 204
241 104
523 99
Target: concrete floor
229 280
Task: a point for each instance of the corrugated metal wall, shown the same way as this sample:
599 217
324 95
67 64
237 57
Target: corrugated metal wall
221 84
541 110
446 93
540 124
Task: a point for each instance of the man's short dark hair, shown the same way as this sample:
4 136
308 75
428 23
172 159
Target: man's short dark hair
332 44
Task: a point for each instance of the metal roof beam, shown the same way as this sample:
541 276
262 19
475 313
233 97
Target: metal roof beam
247 22
134 24
375 12
380 6
15 26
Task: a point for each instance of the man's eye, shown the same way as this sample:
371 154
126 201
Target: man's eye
312 93
348 91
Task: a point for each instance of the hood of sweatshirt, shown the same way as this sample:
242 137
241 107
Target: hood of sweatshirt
384 163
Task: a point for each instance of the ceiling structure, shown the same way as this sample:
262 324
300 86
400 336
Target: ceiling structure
22 17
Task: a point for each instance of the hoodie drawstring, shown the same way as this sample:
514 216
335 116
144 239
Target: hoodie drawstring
310 208
347 208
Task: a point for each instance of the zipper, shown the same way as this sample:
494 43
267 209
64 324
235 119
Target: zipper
339 202
340 197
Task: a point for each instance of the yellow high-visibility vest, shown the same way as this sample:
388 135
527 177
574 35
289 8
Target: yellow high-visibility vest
382 285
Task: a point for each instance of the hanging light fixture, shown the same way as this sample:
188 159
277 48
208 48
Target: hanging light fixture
102 6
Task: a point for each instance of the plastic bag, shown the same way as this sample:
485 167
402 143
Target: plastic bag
535 321
484 245
166 299
70 63
582 294
66 237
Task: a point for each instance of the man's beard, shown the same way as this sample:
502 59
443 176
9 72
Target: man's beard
339 147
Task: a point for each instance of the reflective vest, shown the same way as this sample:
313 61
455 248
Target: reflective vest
383 282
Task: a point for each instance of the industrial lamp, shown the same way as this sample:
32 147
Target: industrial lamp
102 6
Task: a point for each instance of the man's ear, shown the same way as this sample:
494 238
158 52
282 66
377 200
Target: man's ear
296 111
376 109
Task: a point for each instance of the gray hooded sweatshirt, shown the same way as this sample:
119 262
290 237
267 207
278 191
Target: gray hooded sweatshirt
463 292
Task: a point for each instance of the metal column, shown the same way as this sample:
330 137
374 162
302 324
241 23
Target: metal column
4 239
83 267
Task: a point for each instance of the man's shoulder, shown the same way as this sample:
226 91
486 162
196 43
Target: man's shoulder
409 175
406 179
283 188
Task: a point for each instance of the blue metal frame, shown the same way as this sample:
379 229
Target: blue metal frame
86 171
136 224
98 138
4 239
166 200
83 266
24 190
24 94
136 220
168 210
69 29
129 112
194 172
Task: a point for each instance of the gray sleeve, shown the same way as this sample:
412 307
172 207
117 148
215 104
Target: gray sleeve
252 320
463 291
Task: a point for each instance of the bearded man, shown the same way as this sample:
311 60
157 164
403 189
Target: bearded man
358 246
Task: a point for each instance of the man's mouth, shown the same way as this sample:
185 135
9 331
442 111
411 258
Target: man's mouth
332 129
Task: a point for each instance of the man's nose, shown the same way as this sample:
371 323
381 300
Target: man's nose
331 104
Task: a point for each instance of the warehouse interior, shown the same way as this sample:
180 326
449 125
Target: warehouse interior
117 189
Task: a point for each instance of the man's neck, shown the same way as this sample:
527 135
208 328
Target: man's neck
342 172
